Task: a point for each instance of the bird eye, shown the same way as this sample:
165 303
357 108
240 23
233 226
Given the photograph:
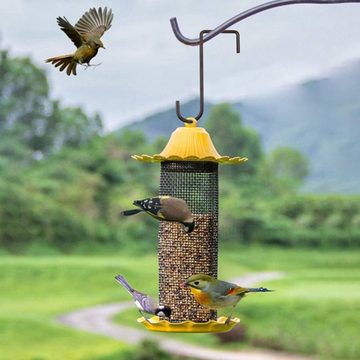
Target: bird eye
196 282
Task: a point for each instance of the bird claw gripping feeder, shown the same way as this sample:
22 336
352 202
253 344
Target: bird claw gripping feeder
189 170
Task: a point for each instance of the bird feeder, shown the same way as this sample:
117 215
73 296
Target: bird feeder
189 170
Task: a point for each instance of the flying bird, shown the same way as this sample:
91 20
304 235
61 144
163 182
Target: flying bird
143 302
86 36
215 294
166 208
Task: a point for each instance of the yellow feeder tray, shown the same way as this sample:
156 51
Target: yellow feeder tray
212 326
190 143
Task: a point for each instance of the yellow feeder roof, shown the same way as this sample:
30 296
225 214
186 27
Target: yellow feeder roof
190 143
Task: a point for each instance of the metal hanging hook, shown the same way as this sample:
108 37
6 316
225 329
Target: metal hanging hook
245 14
201 73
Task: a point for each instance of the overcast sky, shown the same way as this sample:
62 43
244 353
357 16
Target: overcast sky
144 67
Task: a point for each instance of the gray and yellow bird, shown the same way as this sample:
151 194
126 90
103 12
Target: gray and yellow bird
166 208
216 294
86 36
144 302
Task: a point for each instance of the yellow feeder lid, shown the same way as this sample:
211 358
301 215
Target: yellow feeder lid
190 143
211 326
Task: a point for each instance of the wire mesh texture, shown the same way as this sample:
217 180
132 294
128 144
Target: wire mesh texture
182 255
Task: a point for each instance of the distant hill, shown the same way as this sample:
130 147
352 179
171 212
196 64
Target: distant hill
320 117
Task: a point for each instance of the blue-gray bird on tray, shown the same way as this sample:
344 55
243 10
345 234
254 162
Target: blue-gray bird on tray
144 302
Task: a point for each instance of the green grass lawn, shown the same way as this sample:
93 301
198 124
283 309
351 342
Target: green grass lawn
33 290
314 310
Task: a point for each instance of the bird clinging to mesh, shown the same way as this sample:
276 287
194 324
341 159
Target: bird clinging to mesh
86 36
166 208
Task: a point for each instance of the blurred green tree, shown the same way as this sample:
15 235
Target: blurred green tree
23 93
286 168
231 138
28 112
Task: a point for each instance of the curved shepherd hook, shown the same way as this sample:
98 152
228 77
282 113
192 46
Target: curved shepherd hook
245 14
201 74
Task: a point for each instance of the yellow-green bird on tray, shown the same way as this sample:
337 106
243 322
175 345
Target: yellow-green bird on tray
86 36
216 294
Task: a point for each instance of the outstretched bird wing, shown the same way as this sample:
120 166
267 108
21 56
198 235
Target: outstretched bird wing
94 22
70 31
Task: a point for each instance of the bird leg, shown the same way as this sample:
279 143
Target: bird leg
87 65
227 322
146 319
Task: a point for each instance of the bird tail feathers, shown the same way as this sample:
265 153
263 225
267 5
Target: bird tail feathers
260 289
130 212
243 290
124 283
64 61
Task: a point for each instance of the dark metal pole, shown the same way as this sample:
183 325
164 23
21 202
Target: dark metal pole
245 14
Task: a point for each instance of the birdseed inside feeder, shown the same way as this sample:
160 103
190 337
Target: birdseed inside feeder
189 170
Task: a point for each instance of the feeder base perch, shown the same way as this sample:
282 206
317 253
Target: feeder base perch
212 326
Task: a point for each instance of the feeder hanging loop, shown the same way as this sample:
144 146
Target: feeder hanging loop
201 74
245 14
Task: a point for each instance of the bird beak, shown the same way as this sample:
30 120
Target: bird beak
183 285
